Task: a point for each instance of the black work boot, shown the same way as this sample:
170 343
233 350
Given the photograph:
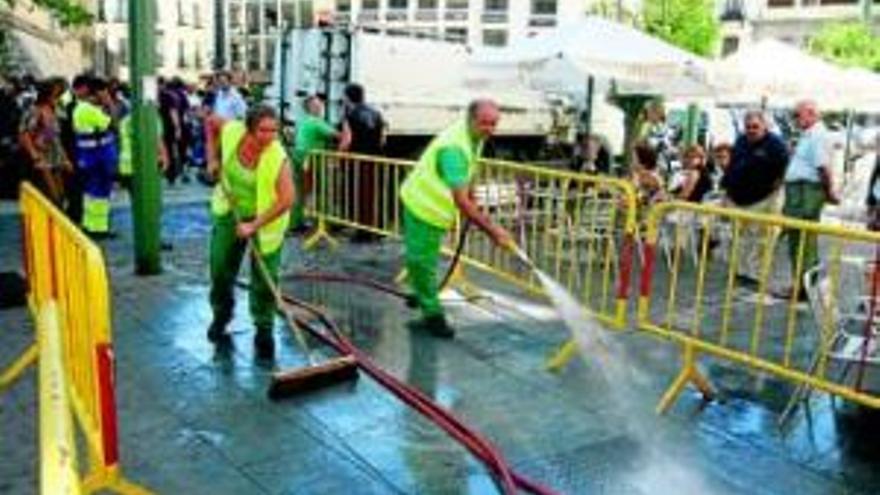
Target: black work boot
412 301
438 327
264 345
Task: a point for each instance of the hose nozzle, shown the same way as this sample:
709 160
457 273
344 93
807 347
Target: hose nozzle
516 250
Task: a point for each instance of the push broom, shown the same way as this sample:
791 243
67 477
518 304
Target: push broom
314 375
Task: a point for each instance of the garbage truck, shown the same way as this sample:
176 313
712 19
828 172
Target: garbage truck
418 85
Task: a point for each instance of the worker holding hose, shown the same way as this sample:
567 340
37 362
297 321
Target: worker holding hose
433 195
252 200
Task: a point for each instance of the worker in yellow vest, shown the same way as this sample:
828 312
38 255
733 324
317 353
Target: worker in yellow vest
126 169
97 156
434 194
254 179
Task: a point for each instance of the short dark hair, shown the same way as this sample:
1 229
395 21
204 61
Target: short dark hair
97 84
645 155
256 114
45 91
80 81
355 93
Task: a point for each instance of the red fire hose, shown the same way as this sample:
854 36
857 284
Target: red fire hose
508 480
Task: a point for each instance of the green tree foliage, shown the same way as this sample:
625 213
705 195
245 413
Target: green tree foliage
609 10
70 13
688 24
848 43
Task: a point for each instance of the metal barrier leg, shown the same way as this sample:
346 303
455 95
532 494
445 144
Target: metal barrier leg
562 356
320 233
111 479
14 372
688 373
126 487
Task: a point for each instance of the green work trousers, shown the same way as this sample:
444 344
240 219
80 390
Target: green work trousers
422 242
803 200
226 253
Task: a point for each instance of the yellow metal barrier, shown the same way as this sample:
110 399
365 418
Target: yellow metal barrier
357 191
66 269
701 300
58 460
576 227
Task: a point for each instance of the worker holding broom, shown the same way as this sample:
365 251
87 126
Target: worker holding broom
434 194
250 205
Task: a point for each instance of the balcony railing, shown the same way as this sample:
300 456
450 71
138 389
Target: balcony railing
494 16
456 15
396 15
542 20
426 15
368 15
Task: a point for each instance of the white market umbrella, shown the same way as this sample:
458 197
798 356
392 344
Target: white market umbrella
562 59
780 74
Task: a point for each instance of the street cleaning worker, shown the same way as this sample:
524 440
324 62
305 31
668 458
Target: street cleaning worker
126 169
433 195
254 178
97 156
312 133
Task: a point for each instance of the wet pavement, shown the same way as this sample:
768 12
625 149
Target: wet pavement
195 422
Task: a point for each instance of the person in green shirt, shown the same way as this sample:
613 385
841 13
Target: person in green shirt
312 133
434 194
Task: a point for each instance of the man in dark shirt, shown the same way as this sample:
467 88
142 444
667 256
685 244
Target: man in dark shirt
752 182
170 112
73 180
366 128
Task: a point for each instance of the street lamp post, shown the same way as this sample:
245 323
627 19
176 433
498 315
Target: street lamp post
147 194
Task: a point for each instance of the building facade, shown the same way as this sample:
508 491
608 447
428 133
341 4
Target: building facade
183 38
251 28
250 32
33 42
474 22
791 21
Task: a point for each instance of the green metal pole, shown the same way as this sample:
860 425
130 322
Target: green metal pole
866 12
692 123
147 193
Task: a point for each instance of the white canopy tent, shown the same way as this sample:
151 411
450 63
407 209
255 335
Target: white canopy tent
561 60
867 89
778 74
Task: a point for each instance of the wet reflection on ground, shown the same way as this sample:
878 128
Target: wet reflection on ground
195 420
